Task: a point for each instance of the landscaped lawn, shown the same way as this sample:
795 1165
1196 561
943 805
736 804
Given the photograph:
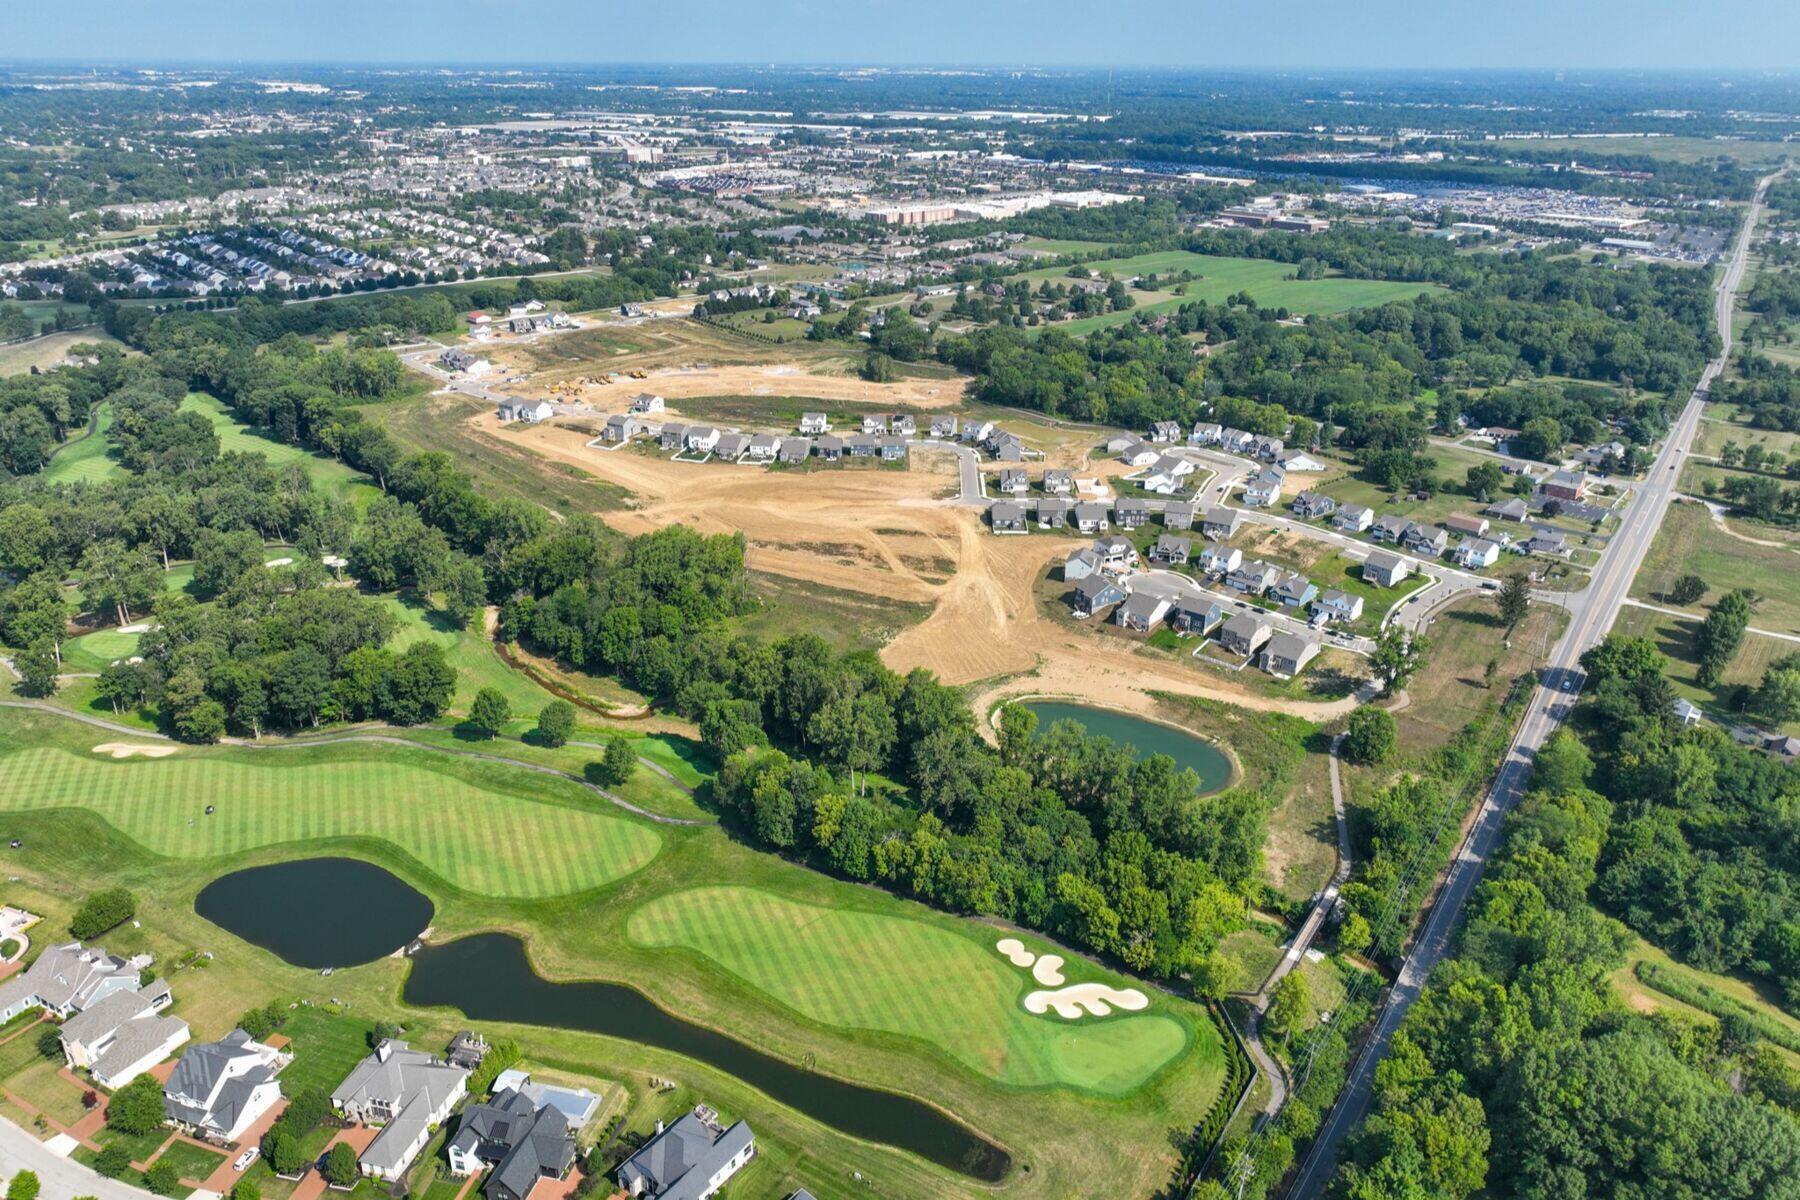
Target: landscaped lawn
474 834
194 1162
43 1086
325 1046
885 973
19 1053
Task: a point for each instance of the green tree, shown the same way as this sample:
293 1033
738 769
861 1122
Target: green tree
1354 935
1397 657
340 1165
1513 600
163 1178
282 1150
36 666
245 1189
1371 736
112 1161
619 762
1778 696
1687 589
136 1108
1018 729
556 721
101 911
23 1186
490 712
1720 635
1290 1004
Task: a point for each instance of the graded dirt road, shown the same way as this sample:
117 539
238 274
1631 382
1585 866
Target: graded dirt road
894 533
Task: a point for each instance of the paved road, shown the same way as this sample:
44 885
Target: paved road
61 1178
1591 614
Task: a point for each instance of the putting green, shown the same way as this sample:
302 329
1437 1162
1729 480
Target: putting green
480 839
913 978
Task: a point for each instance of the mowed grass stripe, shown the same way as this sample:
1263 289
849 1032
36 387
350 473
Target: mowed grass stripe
479 839
912 978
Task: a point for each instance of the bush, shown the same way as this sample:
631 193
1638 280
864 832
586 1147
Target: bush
136 1108
24 1186
9 947
1371 736
556 722
245 1189
259 1023
49 1043
162 1178
113 1161
103 911
500 1056
281 1150
340 1165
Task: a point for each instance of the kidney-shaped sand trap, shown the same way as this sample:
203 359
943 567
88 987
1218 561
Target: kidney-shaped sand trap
132 750
1072 1002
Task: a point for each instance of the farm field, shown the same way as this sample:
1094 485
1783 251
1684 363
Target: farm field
1076 1081
83 458
868 971
1728 555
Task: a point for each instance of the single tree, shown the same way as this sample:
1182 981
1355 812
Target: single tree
1397 657
136 1108
340 1165
1688 589
1290 1003
556 722
1513 600
1371 736
23 1186
163 1178
113 1160
490 712
619 761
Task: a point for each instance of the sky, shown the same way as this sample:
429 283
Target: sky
1347 34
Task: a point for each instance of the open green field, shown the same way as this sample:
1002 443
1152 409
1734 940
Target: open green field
1674 636
328 475
470 831
1070 1135
1670 149
83 458
1689 542
869 971
1222 278
1451 689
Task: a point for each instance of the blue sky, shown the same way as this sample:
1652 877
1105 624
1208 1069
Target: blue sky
1648 34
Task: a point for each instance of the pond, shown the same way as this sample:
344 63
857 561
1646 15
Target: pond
489 978
318 912
1146 737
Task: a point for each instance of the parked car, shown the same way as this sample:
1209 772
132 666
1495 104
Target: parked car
246 1158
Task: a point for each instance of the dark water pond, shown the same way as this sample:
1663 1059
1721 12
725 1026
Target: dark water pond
1146 737
489 978
318 912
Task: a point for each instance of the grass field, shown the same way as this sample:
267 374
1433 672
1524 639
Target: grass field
1451 689
1689 542
328 475
194 1162
887 974
1674 636
479 838
93 651
83 458
1222 278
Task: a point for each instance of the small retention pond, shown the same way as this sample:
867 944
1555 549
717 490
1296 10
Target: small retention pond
318 912
1146 737
489 978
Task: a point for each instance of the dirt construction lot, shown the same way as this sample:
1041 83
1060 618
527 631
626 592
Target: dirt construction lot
892 533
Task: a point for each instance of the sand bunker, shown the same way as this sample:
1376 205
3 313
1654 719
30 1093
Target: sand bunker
140 627
279 562
132 750
1083 999
1048 970
1015 952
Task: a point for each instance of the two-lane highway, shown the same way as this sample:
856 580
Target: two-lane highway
1592 613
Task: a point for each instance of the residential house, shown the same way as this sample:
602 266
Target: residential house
218 1090
1688 713
1142 611
1006 447
1564 485
68 978
646 402
1244 634
861 445
1293 590
1253 578
1165 431
534 411
520 1140
701 439
1091 518
1508 510
794 450
1546 541
1179 514
1390 529
731 446
1116 553
1165 479
1287 654
1095 593
1014 482
120 1036
977 432
1385 570
690 1160
1427 541
902 425
1264 488
875 423
814 423
1053 512
1597 456
943 426
1299 460
673 436
829 447
1006 517
1466 526
1314 505
1171 549
1138 454
1221 558
1081 564
1477 553
1235 441
891 448
1206 433
1196 616
1335 605
1059 482
1353 518
763 447
620 428
1266 447
1130 514
1220 523
408 1092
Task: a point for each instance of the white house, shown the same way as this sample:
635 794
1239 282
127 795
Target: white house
121 1036
646 402
409 1093
1476 553
690 1160
220 1089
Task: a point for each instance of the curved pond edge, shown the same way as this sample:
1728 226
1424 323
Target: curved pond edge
320 910
465 975
1224 749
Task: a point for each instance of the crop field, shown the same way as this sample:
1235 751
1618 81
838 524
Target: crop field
83 458
885 973
479 838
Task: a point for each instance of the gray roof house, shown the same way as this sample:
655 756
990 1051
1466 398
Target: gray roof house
1390 528
1288 654
794 450
1384 569
1006 517
1095 593
1244 634
66 979
1053 512
1179 514
1091 518
731 446
1196 615
1254 578
1130 513
1508 510
1220 523
763 447
410 1090
1171 549
620 427
673 435
689 1160
1142 611
1313 505
1080 565
1059 481
522 1141
1353 518
1430 540
121 1035
219 1089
